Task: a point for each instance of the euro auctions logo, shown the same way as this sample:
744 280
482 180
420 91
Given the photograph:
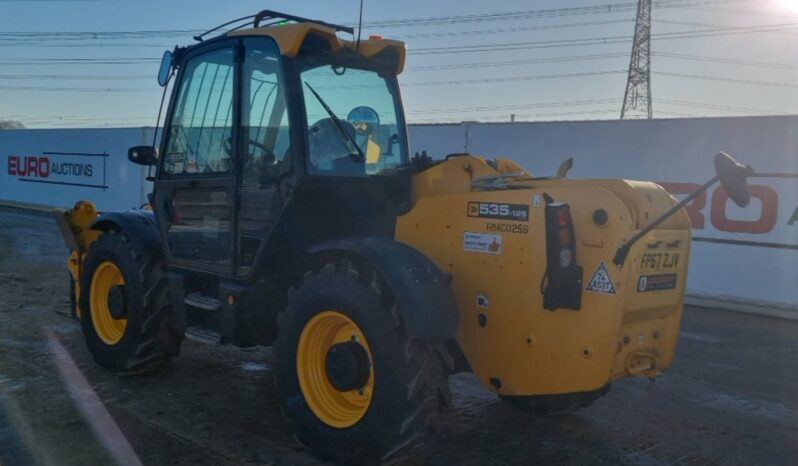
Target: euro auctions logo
61 168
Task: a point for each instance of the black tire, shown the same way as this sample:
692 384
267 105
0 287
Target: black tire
409 382
73 300
556 405
150 339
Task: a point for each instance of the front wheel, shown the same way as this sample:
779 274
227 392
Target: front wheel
126 314
355 388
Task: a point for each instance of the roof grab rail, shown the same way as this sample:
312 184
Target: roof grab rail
277 17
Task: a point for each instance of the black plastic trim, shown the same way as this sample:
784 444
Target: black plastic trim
424 298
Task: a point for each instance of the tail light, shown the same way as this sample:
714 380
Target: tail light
562 285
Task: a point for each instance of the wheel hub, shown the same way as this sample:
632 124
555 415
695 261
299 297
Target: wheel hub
347 365
335 369
105 293
117 306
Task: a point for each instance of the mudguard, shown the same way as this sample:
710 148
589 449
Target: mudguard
139 225
424 298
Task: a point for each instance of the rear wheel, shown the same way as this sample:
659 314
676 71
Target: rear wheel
354 387
556 405
126 314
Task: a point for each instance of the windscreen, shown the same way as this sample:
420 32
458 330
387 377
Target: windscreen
353 120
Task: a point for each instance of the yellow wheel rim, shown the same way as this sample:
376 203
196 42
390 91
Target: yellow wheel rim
335 408
106 276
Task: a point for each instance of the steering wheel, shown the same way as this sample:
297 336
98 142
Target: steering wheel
268 156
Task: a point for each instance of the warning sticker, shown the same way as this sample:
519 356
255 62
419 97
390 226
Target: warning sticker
482 242
601 281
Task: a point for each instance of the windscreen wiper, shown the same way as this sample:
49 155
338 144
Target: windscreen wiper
345 137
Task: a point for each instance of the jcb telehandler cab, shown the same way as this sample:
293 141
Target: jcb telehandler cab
286 212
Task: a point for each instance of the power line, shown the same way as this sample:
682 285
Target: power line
728 80
505 79
29 77
739 11
727 108
493 64
77 61
473 65
515 107
467 65
75 89
508 46
514 29
730 61
462 118
607 8
452 82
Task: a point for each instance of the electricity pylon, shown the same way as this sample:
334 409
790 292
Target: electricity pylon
637 98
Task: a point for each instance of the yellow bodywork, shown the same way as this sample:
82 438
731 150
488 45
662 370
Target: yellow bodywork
290 37
529 349
75 228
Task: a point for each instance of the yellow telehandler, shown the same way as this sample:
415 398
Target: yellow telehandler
287 211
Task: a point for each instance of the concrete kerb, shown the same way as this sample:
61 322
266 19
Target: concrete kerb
759 308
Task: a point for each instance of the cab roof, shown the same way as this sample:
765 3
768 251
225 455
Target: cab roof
291 37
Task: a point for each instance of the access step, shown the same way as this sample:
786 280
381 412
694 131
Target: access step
201 301
204 335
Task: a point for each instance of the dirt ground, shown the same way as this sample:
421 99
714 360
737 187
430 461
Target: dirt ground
731 396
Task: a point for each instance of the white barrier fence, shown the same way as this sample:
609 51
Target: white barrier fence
744 255
56 167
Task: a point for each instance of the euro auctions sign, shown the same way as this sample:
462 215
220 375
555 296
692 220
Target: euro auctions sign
60 168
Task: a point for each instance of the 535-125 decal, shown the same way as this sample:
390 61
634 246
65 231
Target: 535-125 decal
499 211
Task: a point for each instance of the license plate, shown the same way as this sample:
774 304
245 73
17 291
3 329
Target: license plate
659 260
665 281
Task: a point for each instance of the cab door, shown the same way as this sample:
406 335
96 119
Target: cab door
195 193
266 149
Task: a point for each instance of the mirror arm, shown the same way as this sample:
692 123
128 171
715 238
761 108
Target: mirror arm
772 175
623 250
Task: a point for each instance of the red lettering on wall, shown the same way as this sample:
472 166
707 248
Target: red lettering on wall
13 164
29 165
44 167
793 218
33 165
767 216
695 207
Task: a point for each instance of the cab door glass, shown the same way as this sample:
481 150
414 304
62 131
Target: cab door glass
265 147
199 206
200 133
266 144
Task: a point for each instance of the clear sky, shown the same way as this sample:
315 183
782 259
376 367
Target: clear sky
468 59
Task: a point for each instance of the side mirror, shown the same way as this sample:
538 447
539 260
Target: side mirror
734 178
562 171
143 155
166 69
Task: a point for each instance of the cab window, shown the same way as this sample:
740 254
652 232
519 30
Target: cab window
353 122
266 139
200 133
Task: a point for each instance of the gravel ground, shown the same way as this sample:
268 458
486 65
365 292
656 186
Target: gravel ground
731 396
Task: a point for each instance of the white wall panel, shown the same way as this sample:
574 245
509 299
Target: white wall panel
748 255
60 166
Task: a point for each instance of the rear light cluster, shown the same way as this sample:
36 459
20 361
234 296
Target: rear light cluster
562 285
